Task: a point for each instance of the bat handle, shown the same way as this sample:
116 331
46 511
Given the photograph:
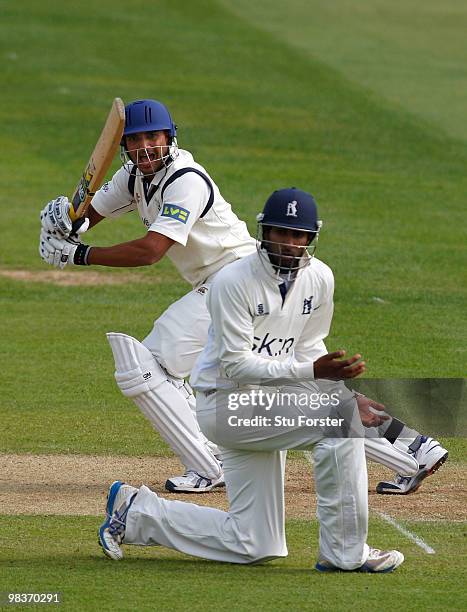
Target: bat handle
76 226
77 211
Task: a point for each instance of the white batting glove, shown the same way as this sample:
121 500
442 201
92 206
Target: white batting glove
60 252
55 218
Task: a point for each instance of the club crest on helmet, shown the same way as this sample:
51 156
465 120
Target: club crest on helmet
292 209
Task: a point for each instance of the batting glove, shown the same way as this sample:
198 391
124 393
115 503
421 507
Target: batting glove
60 251
55 218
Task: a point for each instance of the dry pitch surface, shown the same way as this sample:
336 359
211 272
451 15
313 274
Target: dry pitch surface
77 485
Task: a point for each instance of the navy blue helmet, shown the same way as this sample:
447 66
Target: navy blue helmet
288 209
291 208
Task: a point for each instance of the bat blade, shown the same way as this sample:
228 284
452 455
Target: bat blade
100 160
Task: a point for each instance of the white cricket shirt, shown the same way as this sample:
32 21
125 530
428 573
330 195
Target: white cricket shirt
203 243
256 337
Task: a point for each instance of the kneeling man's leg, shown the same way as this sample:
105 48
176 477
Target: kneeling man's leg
342 497
252 530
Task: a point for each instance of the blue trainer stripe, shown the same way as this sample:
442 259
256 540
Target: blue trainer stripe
114 489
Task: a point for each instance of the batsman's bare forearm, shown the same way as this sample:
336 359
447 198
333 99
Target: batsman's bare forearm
93 216
140 252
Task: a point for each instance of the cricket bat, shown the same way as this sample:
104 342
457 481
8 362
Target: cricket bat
99 162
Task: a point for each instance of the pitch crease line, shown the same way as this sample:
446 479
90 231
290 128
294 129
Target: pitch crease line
408 534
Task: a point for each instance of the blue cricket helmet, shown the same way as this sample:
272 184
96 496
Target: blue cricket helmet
148 116
291 208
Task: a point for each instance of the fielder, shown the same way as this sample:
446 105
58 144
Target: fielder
281 296
188 220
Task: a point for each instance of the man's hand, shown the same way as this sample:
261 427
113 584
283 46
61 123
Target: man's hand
60 251
332 367
366 406
55 218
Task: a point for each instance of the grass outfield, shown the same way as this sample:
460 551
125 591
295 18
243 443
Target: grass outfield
258 114
409 53
260 108
58 554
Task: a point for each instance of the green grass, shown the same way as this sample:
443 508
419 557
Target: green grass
361 103
61 554
412 53
259 115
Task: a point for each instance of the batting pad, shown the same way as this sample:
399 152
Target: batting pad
136 369
165 404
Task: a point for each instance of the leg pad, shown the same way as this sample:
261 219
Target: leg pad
137 371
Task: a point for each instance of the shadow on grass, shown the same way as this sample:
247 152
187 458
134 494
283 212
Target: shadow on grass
167 563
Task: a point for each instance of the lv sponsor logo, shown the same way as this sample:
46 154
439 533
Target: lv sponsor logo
175 212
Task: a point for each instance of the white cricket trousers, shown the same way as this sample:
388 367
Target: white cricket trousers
181 332
254 527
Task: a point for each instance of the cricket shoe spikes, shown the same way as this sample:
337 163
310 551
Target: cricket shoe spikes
378 562
430 456
112 531
192 482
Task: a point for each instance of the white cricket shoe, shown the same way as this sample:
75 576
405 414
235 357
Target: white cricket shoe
112 531
430 456
192 482
378 562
